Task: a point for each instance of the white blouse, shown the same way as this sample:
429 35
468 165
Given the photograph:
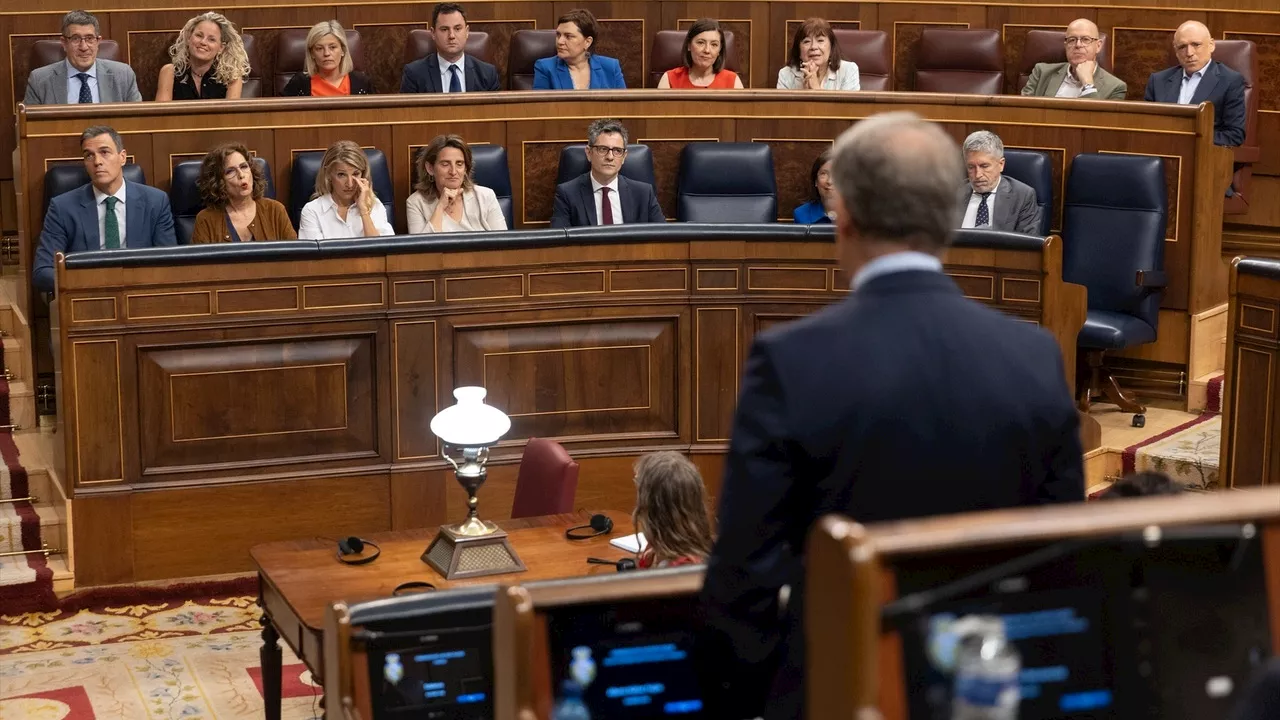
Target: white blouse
846 78
320 221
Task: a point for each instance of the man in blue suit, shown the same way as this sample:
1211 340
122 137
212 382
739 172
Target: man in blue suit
1198 79
107 214
449 69
603 196
904 400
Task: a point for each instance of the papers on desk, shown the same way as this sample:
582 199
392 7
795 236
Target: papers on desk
630 543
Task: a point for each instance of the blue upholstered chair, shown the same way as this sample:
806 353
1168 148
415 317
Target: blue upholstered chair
1113 234
638 166
1034 169
306 165
65 178
490 169
727 183
185 200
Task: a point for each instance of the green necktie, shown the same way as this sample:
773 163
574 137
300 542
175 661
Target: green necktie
111 229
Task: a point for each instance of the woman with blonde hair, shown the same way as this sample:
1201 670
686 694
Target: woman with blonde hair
329 66
234 188
343 205
671 511
447 198
209 61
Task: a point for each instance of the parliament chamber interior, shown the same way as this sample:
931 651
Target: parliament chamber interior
741 467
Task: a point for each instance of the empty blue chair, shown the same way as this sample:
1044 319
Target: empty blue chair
638 166
1034 169
302 183
1114 220
727 183
185 200
490 169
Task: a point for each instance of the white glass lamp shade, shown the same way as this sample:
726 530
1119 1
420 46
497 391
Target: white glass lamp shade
470 423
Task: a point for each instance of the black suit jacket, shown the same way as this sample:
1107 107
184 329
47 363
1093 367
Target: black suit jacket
575 205
423 76
1220 85
905 400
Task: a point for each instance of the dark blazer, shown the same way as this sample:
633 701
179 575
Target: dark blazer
553 74
810 213
904 400
300 85
1017 209
575 204
1220 85
71 225
423 76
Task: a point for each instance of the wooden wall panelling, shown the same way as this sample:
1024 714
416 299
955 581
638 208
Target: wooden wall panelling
1140 40
718 342
1251 413
102 538
905 22
98 452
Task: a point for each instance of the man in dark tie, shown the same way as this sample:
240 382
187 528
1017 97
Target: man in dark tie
990 198
603 196
109 213
449 69
82 77
904 400
1198 79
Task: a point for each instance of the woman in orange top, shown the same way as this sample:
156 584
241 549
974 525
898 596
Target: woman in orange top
329 64
671 511
703 61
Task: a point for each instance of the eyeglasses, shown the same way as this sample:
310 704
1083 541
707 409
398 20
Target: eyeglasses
1070 41
603 150
81 39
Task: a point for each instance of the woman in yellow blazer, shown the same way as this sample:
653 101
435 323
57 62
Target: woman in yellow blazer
447 198
232 186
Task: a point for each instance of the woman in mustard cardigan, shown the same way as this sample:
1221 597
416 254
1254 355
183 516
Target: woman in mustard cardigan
233 188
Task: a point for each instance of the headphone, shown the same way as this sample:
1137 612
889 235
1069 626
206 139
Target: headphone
600 524
622 565
354 546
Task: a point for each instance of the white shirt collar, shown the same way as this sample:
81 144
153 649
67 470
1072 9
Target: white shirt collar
460 62
1199 72
613 185
72 71
99 196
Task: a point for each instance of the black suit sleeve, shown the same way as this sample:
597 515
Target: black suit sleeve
655 210
298 86
1064 481
1150 94
1228 129
409 81
561 216
756 552
488 77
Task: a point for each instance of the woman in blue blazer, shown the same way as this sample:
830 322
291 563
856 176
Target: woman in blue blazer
574 67
822 191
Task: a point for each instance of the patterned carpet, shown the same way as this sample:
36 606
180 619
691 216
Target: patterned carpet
192 654
26 581
1188 453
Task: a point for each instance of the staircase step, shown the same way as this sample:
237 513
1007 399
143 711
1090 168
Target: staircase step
1198 392
53 526
22 405
64 581
16 358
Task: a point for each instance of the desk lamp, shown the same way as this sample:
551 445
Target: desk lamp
473 547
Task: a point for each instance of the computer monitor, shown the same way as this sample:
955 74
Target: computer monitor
1111 629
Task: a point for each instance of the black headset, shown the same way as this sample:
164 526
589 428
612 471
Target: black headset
600 524
354 546
621 565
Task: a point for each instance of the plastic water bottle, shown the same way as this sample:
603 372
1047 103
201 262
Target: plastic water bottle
570 705
986 671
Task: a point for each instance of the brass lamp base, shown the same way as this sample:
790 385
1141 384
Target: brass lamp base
457 556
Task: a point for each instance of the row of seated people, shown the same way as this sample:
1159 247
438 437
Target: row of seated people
211 60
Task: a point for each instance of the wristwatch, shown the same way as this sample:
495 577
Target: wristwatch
1087 87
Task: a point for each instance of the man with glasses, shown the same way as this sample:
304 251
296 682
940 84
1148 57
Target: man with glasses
1080 76
602 196
1199 79
82 77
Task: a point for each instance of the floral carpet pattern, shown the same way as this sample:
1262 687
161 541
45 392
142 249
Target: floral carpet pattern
179 659
1188 453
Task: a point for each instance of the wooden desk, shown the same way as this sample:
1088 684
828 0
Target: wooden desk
300 579
1250 454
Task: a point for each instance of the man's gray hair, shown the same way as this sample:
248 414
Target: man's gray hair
897 175
984 141
80 17
606 125
94 131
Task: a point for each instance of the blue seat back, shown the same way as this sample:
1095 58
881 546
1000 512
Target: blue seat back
490 169
1113 225
306 166
727 183
61 179
184 195
638 166
1034 169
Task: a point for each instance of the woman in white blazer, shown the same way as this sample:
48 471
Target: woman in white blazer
446 199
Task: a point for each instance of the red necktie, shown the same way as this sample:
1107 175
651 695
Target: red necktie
606 208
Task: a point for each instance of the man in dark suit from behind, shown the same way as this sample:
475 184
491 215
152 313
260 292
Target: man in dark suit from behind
449 69
109 213
989 198
603 196
904 400
1198 79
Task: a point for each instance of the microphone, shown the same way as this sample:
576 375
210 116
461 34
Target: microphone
622 565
